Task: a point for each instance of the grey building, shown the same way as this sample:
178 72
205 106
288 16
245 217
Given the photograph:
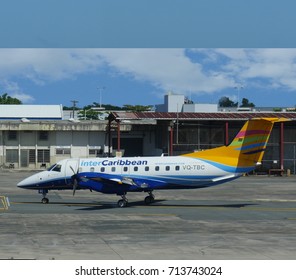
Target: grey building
38 144
31 141
178 133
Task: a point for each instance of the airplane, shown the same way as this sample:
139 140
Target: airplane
120 175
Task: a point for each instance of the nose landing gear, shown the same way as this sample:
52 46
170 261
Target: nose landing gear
44 200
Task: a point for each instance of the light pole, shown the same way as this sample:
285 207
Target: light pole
100 90
73 108
238 87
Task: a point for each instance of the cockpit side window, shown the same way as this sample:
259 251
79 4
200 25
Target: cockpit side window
56 168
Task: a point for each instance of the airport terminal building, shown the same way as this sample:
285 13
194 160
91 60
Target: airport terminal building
36 136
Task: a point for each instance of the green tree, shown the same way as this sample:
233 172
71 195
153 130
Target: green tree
108 107
246 103
226 102
6 99
87 113
137 108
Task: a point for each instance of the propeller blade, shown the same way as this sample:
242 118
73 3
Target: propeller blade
75 183
72 170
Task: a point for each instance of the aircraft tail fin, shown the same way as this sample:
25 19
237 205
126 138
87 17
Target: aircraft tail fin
247 148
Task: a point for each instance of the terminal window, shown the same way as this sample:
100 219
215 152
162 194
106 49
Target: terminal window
12 156
43 135
43 156
63 151
12 135
95 152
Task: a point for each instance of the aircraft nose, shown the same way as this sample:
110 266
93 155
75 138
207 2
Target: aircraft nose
23 184
33 181
28 182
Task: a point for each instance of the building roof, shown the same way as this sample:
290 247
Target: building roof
200 116
31 112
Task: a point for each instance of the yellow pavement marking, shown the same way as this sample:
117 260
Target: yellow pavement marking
5 202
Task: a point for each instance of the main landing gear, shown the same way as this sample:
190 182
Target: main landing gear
44 200
124 202
149 199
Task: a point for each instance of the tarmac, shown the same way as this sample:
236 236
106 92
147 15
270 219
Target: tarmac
252 218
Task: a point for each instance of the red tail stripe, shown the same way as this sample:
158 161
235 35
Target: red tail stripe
251 132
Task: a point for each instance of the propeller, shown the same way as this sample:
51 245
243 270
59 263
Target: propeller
75 184
74 177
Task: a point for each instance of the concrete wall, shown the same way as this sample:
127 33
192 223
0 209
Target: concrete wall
174 102
30 143
200 108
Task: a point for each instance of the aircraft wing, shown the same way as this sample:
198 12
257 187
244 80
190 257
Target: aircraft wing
106 182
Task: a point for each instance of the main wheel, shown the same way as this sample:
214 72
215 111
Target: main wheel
122 203
44 200
149 199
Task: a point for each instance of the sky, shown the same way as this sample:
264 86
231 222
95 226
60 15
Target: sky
265 76
135 51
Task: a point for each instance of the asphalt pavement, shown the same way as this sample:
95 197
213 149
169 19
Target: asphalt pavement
253 217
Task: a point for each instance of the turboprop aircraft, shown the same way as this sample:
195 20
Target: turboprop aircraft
145 174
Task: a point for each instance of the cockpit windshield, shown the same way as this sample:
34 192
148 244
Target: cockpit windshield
51 167
55 167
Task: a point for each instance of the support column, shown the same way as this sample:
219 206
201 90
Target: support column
282 145
109 137
226 133
118 136
171 139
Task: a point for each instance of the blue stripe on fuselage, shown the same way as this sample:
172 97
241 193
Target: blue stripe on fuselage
228 168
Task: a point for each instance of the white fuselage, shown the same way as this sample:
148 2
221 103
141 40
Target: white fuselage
177 170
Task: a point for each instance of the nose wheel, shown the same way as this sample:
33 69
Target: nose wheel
44 200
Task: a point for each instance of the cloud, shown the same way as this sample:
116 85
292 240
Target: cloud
275 67
167 69
194 71
14 91
47 64
25 98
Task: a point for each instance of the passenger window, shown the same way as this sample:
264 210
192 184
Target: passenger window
156 168
113 169
92 169
167 168
136 168
125 169
177 168
57 168
102 169
146 168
